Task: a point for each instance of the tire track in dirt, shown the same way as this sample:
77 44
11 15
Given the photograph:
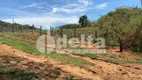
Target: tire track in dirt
39 63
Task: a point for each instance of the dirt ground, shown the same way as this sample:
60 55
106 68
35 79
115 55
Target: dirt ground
110 71
47 68
50 69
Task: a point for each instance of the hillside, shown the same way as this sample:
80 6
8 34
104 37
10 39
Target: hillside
120 59
15 27
121 27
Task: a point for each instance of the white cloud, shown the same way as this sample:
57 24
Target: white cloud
77 7
57 13
34 5
54 10
86 2
102 6
45 20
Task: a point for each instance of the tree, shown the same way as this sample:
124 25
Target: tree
121 27
83 21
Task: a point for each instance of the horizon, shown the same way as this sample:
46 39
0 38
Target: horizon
55 13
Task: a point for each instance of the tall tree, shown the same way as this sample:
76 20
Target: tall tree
83 21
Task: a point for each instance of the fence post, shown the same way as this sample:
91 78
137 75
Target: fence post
33 29
96 34
22 29
13 29
75 32
46 42
140 44
61 32
1 28
40 30
17 28
50 30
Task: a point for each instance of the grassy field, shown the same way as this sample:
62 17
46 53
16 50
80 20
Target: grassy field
71 60
26 47
30 48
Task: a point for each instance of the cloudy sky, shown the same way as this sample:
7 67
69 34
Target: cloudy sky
57 12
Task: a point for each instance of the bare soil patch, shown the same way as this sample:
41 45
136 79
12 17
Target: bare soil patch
45 67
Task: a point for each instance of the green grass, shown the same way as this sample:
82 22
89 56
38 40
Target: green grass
23 46
38 31
71 60
7 73
117 59
12 35
95 55
139 60
69 78
30 48
15 35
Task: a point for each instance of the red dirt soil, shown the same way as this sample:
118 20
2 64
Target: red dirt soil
48 68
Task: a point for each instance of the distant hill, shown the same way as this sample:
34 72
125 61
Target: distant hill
9 27
69 26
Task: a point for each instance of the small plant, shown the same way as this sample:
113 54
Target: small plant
69 78
139 60
7 73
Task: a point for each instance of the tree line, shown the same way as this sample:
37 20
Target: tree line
121 27
14 27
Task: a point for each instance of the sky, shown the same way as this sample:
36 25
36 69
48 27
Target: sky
57 12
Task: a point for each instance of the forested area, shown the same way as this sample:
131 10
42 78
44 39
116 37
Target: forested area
121 27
